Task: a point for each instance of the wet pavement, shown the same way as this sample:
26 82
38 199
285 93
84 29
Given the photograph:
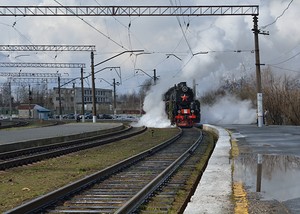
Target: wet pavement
277 150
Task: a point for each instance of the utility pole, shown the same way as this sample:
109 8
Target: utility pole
74 100
194 88
29 101
115 102
154 76
10 101
258 74
93 76
93 88
59 98
82 96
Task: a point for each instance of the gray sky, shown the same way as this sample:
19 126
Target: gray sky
178 37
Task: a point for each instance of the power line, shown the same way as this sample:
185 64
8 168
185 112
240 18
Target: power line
281 55
92 26
287 59
282 68
183 33
263 27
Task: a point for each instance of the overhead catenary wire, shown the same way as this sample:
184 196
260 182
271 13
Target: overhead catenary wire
263 27
14 27
103 34
283 68
183 33
283 54
287 59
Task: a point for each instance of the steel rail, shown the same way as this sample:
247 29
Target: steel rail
81 145
137 200
63 192
19 152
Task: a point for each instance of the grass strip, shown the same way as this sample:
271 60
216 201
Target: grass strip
21 184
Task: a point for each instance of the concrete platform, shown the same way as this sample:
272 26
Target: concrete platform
19 138
229 184
213 193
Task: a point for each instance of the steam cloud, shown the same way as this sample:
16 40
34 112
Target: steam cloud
208 70
280 48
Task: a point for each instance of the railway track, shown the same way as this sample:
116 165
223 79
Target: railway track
182 183
31 155
123 187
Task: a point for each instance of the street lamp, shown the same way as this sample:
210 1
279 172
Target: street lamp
115 96
154 74
104 69
138 69
201 52
93 77
168 55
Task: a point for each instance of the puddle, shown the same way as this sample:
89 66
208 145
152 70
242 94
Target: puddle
280 178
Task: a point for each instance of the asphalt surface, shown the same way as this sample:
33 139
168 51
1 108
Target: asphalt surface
277 140
26 134
279 149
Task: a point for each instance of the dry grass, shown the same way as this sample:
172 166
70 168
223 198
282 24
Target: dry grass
20 184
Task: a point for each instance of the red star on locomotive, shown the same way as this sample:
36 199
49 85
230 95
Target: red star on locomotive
184 98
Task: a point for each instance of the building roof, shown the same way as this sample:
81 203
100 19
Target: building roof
33 106
41 109
25 106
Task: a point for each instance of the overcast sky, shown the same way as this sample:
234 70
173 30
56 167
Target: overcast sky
168 42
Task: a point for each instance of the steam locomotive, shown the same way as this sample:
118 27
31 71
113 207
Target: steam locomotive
181 106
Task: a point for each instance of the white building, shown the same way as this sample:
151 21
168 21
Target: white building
71 100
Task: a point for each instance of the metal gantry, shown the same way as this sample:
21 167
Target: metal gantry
38 80
222 10
42 65
22 74
20 78
129 10
44 78
47 47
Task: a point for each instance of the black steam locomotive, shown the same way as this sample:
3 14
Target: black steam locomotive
181 106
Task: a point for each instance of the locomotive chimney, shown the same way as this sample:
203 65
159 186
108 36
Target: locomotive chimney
194 88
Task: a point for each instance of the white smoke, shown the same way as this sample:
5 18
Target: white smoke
154 107
229 110
208 70
155 116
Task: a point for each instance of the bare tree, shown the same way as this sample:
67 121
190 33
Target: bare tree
281 95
